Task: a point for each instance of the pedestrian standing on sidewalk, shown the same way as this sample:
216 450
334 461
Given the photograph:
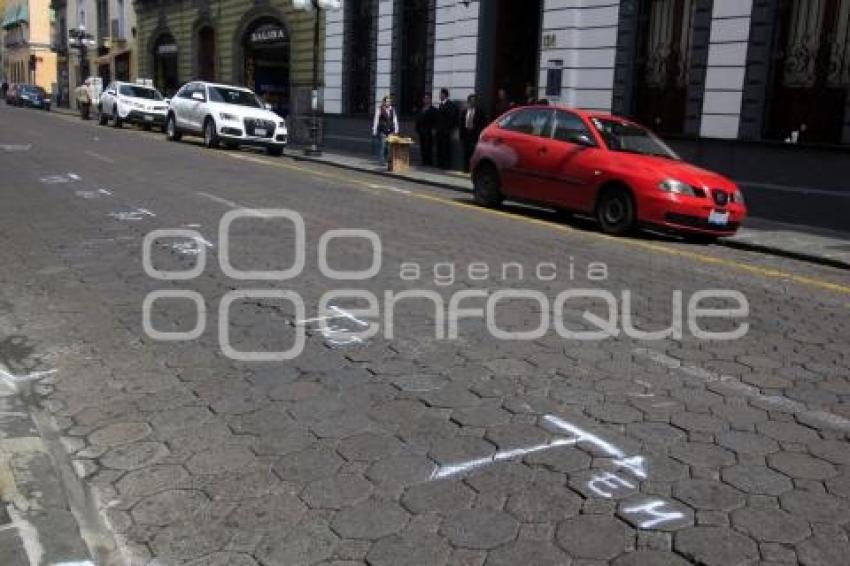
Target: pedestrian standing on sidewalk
471 125
503 102
530 95
4 89
425 122
447 117
84 98
384 125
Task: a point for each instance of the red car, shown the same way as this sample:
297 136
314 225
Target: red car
604 166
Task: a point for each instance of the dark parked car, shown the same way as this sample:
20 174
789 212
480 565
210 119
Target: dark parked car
33 96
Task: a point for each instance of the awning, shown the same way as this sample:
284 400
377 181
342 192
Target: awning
15 15
107 59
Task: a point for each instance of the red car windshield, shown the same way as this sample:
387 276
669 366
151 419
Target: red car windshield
623 136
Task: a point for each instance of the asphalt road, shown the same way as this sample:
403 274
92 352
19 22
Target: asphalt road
412 446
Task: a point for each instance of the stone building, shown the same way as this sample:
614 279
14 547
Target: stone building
27 57
110 53
727 81
266 45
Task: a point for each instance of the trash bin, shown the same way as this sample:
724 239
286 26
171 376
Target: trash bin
399 150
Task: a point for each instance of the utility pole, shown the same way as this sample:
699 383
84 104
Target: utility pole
314 99
316 6
82 40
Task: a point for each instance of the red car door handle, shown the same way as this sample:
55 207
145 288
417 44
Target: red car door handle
542 151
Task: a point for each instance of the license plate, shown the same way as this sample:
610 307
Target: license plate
148 117
719 218
260 132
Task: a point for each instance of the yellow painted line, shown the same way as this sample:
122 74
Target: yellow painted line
765 272
701 258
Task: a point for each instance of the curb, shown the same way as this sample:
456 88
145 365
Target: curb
379 173
734 244
773 250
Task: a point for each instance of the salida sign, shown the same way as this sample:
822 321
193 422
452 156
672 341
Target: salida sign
269 33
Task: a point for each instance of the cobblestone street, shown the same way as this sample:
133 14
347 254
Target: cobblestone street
431 442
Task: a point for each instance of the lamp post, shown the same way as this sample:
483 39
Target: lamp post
316 6
80 39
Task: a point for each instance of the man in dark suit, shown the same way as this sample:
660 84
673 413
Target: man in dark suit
472 123
425 122
447 115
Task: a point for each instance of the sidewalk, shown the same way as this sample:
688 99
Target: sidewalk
807 243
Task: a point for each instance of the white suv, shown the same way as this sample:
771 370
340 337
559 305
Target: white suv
133 103
225 114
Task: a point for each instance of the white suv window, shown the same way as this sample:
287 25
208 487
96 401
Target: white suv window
139 92
234 96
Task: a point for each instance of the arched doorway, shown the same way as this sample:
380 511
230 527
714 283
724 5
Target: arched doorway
206 54
266 66
165 64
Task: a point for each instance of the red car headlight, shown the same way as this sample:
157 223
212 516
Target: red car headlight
679 188
738 197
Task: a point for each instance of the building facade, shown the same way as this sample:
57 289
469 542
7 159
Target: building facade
266 45
94 38
27 31
2 42
711 75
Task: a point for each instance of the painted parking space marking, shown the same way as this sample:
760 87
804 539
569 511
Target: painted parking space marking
735 385
133 215
619 483
100 157
59 179
28 535
191 247
10 147
90 195
339 329
16 382
252 210
450 470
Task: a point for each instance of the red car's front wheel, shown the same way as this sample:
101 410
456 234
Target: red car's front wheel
615 211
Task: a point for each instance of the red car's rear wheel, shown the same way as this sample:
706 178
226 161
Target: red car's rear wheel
487 186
